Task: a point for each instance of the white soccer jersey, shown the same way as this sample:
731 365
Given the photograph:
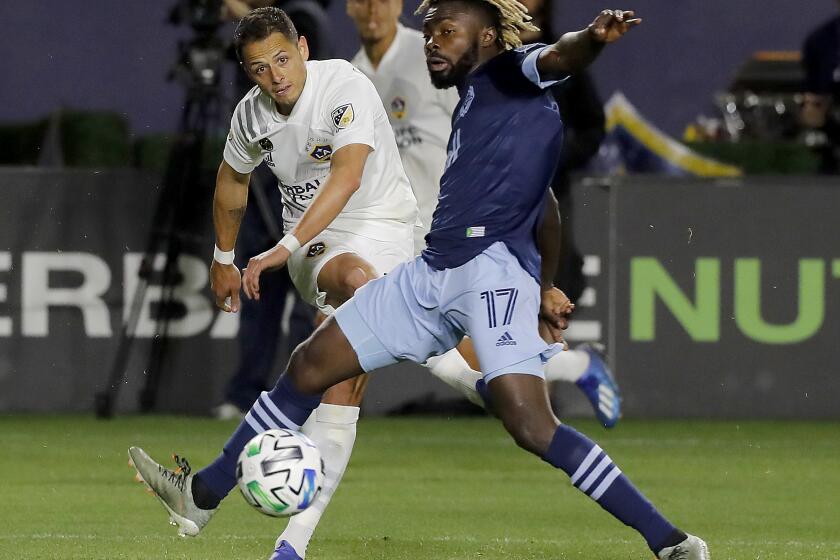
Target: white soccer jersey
420 114
338 106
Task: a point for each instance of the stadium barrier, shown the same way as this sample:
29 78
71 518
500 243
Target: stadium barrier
714 298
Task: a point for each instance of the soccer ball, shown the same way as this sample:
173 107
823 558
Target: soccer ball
280 472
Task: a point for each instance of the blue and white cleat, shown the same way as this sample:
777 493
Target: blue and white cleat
600 388
285 551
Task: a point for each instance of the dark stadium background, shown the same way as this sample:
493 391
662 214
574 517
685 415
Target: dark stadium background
112 55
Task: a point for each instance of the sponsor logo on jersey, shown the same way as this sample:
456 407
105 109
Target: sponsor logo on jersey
343 116
321 152
506 340
454 148
475 231
299 196
316 249
398 108
407 136
269 161
266 145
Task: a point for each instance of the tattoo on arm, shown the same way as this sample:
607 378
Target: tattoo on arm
236 214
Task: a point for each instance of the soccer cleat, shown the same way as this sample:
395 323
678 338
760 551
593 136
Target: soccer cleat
285 551
600 388
173 489
692 548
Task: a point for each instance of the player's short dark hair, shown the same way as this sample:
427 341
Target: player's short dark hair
261 23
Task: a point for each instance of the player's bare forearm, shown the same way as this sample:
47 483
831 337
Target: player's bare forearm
344 179
549 239
575 51
570 54
229 202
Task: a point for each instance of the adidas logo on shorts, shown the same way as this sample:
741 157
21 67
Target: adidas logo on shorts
506 340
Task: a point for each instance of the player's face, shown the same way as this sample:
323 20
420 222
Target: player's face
375 19
452 44
277 65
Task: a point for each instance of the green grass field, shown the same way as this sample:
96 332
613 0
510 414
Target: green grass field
422 488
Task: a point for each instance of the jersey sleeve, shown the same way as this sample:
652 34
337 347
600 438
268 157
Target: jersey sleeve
240 154
527 56
351 111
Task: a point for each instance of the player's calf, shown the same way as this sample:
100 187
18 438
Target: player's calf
521 403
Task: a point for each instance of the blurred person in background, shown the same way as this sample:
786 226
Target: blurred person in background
821 102
260 323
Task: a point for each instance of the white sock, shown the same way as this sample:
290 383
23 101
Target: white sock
334 432
453 369
567 366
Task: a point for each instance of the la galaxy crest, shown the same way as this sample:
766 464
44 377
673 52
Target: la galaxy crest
319 149
342 116
266 145
398 108
316 249
321 152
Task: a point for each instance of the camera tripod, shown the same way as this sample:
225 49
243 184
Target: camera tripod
179 220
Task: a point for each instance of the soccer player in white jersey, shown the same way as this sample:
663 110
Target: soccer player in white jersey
349 214
421 115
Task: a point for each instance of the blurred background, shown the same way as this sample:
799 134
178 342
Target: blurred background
704 216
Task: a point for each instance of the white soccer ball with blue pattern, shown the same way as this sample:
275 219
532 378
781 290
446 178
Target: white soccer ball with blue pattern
280 472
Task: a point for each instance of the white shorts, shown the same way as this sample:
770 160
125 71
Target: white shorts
420 239
306 263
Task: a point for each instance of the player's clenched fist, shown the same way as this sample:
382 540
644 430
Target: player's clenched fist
275 257
610 25
555 308
225 282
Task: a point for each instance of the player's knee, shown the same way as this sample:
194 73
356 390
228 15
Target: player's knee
354 279
530 432
303 368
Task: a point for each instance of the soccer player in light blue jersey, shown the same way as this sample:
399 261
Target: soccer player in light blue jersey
486 272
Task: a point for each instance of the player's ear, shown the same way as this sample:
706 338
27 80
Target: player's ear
303 47
488 37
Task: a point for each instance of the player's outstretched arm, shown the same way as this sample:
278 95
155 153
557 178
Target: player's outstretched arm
229 202
345 178
575 51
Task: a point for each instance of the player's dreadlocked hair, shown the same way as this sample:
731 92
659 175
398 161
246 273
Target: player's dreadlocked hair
510 18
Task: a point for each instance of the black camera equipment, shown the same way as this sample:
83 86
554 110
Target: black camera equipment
183 207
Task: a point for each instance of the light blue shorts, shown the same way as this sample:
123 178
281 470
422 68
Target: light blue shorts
415 312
